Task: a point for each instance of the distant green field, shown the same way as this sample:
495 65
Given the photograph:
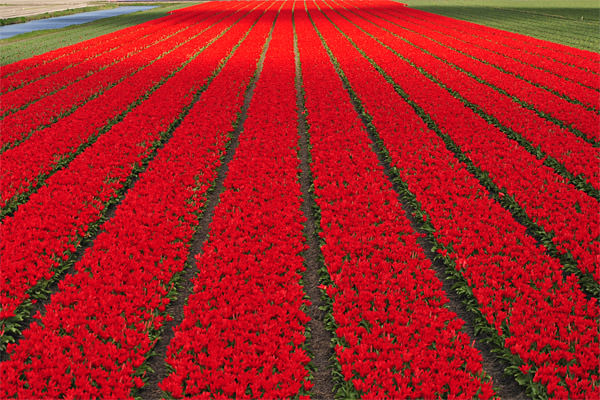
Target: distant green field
30 44
52 14
571 22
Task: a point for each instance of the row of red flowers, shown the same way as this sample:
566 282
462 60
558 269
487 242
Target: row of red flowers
244 330
85 73
100 327
397 340
32 69
550 82
524 63
553 51
456 52
89 96
542 318
548 199
45 231
54 56
578 156
470 37
96 48
48 149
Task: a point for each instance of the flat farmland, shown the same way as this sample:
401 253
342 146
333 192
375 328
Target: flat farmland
308 199
574 23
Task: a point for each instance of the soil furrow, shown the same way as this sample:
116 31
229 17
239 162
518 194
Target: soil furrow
505 386
175 308
319 343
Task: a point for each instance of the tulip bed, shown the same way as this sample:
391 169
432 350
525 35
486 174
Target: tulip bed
438 150
243 332
47 110
513 169
49 148
387 302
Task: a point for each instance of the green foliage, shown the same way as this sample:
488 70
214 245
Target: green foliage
573 23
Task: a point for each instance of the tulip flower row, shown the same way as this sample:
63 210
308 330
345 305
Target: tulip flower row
558 83
571 154
100 326
55 56
87 71
151 143
28 76
86 47
552 51
576 118
52 62
549 201
95 93
49 149
456 53
515 52
396 338
244 330
108 45
539 320
43 233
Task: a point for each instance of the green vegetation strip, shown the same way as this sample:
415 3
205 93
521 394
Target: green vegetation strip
573 23
52 14
30 44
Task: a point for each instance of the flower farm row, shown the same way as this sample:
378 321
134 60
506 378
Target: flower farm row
437 150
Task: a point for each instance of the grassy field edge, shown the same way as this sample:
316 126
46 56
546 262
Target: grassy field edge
573 23
59 13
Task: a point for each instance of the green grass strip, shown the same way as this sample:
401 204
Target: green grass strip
52 14
573 23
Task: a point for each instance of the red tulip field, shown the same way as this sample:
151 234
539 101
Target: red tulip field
306 199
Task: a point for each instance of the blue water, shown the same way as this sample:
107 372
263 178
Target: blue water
60 22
